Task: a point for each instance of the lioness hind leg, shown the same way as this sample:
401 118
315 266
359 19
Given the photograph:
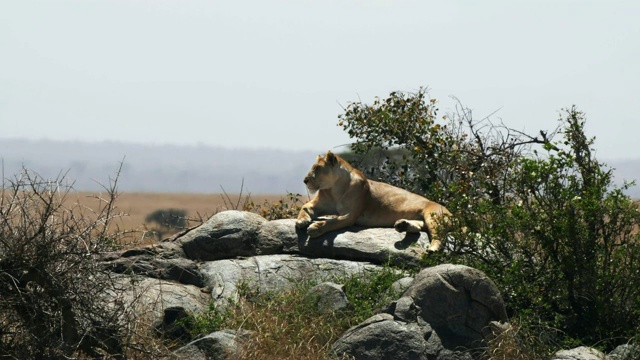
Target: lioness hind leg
410 226
431 223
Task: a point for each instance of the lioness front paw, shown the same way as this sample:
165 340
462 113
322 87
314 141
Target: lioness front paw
401 225
303 223
314 230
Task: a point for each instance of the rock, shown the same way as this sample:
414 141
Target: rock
459 302
273 273
399 333
149 298
164 250
625 352
579 353
327 297
377 245
171 327
279 236
220 345
181 270
405 309
225 235
237 233
399 286
383 337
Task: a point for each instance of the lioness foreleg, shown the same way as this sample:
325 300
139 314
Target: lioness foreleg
304 218
329 224
310 212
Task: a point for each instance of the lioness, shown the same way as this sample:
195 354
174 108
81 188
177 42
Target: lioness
345 197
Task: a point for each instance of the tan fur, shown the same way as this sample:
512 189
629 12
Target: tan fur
346 197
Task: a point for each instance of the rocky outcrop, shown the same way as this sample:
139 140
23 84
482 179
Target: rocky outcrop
444 311
442 308
233 233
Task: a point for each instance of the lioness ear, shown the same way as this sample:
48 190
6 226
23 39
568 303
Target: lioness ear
331 158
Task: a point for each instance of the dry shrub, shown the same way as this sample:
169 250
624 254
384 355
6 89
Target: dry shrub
56 300
287 207
515 342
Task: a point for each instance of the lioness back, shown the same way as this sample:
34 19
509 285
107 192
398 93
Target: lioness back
386 204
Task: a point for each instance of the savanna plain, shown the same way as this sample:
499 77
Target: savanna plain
133 209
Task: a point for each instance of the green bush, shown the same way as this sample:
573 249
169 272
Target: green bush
540 216
369 293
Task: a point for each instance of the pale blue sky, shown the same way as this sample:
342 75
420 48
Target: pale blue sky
274 74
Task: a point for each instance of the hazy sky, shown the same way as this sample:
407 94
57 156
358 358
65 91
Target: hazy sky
274 74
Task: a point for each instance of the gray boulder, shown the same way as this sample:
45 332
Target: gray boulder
378 245
234 233
381 337
625 352
399 286
397 335
273 273
279 236
327 297
225 235
580 353
164 261
148 298
220 345
459 302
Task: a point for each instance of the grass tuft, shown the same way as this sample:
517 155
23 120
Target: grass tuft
284 325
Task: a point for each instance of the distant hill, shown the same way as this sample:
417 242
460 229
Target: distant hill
189 169
160 168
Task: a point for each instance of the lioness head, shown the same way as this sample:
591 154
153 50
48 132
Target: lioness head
321 176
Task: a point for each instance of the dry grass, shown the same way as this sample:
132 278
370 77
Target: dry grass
136 206
280 331
284 325
508 345
287 325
